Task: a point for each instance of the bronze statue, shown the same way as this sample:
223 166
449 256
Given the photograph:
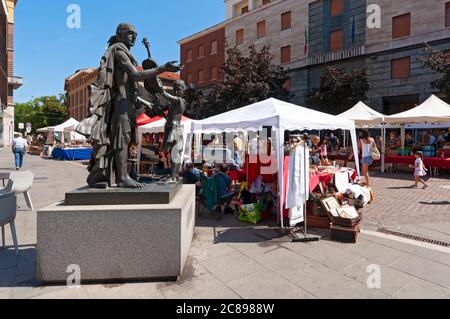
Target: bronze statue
114 104
173 134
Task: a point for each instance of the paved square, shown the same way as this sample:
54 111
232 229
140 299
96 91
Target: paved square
229 259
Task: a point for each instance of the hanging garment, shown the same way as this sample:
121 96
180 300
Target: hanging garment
341 180
298 184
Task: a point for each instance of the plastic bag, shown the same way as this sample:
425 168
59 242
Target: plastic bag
250 213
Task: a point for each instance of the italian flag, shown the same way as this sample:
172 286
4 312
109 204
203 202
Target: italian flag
306 39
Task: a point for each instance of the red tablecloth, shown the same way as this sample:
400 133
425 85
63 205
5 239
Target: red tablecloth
316 179
439 162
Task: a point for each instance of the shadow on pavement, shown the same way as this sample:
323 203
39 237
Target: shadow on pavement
18 271
436 203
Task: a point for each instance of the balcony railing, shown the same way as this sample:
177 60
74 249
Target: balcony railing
15 81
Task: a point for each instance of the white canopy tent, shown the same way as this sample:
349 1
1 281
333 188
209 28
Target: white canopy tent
365 117
282 116
433 110
61 129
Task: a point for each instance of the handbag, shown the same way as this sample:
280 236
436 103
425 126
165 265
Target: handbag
375 152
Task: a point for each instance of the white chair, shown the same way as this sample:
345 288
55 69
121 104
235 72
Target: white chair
21 184
8 209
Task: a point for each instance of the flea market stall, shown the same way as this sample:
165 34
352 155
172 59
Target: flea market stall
432 112
366 117
64 143
297 178
150 137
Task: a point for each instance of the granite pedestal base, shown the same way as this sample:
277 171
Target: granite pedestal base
118 242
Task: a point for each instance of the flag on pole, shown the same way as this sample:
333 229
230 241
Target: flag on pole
306 39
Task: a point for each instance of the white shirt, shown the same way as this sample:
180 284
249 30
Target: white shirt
19 142
366 149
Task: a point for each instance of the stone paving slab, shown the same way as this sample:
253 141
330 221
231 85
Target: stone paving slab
230 259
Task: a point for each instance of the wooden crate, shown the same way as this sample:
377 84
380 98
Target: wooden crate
344 234
317 222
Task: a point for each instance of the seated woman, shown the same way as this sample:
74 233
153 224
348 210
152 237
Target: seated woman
223 179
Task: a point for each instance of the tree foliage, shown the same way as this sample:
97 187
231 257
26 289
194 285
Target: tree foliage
41 112
246 79
439 61
339 90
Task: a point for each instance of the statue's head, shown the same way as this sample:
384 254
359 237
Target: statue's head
179 87
127 34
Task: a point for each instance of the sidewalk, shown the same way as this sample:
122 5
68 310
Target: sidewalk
229 259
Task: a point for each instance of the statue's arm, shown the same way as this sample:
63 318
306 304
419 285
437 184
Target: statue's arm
125 64
170 97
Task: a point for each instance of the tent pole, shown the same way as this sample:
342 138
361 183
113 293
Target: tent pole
383 148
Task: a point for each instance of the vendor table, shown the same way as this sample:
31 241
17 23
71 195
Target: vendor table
435 163
71 154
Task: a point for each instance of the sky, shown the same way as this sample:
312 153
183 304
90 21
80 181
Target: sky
47 50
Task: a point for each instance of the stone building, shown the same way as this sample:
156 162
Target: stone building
8 80
306 36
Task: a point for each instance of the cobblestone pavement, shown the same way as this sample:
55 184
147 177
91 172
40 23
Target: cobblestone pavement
399 206
229 259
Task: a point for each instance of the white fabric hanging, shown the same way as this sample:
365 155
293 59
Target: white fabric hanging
297 192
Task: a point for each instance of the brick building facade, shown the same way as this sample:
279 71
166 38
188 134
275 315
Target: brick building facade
77 89
8 80
202 56
308 35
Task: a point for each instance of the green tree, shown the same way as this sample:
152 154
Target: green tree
339 90
246 79
439 61
41 112
249 78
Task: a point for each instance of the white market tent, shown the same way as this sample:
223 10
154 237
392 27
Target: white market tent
281 116
61 129
365 116
433 110
158 127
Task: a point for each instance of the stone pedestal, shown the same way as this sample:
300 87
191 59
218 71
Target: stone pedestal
117 242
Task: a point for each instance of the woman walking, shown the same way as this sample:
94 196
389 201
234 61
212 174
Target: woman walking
19 147
366 145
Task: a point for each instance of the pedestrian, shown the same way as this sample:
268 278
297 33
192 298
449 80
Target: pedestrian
19 147
419 170
365 146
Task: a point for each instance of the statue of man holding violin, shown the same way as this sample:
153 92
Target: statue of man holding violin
116 100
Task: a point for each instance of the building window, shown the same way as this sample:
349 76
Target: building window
244 10
447 14
239 36
401 26
189 55
201 51
401 68
336 40
336 8
286 20
214 73
286 54
261 29
201 76
213 48
265 2
189 79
